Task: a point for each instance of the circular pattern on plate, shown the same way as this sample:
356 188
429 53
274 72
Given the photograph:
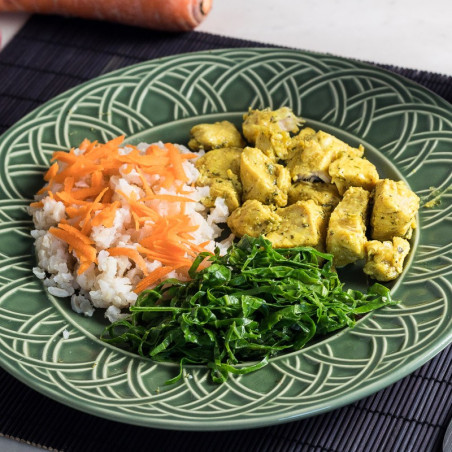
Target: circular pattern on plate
409 126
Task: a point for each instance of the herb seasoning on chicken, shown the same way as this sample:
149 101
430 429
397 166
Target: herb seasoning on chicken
302 187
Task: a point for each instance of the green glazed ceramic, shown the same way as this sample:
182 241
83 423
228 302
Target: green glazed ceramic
407 132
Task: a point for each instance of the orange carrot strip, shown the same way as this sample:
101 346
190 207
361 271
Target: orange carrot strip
165 197
132 254
147 188
37 204
84 251
82 193
97 179
84 144
51 172
188 156
135 157
76 233
44 189
68 184
176 161
136 220
108 195
84 265
79 169
65 157
87 220
106 216
152 278
68 199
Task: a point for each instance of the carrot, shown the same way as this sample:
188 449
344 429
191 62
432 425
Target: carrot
131 253
176 162
152 278
86 228
171 15
51 173
37 204
90 201
106 216
85 252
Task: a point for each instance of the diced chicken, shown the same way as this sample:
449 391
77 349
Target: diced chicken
349 171
223 188
213 136
220 170
223 163
346 235
394 211
303 224
269 130
262 178
312 156
325 195
253 219
384 260
306 134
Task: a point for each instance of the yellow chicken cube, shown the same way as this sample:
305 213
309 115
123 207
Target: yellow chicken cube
217 135
220 170
384 260
253 219
325 195
394 211
349 171
262 178
303 224
346 235
269 130
312 156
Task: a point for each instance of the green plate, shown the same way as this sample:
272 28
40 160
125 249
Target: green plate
407 132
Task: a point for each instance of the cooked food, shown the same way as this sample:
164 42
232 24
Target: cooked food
350 171
325 195
219 169
222 134
394 210
269 130
262 178
384 260
113 219
312 155
250 304
253 219
346 234
288 166
302 224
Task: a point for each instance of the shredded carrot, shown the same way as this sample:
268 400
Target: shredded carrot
165 197
85 252
132 254
152 278
91 200
106 216
176 162
86 228
38 204
51 173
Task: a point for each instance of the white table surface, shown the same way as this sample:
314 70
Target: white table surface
409 33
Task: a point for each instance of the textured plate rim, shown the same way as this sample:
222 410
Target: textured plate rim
264 420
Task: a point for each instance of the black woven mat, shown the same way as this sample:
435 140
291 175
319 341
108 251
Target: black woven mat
51 55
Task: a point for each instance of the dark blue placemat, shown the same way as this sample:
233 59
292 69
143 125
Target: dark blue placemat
53 54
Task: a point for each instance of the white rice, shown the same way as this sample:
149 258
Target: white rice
109 284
